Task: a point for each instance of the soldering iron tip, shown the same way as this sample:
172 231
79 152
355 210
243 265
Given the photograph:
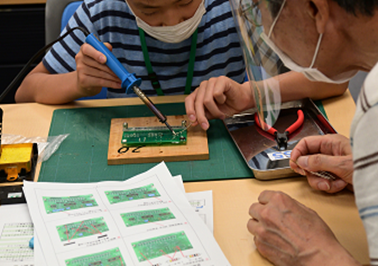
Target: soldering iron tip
170 128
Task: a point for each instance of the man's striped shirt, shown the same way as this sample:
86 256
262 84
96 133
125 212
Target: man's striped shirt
364 140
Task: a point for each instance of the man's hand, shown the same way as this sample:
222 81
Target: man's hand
92 73
217 98
288 233
331 153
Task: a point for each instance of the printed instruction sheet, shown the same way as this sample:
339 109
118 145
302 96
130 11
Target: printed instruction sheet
16 230
145 220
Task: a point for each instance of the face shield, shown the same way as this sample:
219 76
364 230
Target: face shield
262 64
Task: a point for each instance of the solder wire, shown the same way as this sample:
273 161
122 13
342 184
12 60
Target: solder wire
178 133
190 124
185 129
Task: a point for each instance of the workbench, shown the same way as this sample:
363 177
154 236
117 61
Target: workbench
232 198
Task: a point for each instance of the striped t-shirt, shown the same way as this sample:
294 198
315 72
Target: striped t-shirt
218 49
364 140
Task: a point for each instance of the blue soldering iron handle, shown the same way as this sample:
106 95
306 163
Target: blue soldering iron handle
128 80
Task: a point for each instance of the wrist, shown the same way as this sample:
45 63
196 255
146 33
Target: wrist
331 255
250 100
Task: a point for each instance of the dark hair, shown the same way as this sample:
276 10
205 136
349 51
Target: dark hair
364 7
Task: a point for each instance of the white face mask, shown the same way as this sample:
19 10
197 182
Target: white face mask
310 73
176 33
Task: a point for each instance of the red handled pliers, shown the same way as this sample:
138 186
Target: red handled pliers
281 138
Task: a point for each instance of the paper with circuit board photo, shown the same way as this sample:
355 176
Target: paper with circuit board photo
145 220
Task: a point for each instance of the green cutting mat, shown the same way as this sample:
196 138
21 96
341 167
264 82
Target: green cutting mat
82 156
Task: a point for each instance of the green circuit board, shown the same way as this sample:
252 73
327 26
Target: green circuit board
117 196
148 216
111 257
159 246
151 136
61 204
90 227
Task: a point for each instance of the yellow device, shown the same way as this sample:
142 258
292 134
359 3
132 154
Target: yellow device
16 160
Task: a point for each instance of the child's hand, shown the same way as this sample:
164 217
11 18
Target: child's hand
217 98
92 73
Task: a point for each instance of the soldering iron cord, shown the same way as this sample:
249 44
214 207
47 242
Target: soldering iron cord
35 57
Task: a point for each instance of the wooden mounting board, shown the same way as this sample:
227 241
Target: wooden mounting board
196 147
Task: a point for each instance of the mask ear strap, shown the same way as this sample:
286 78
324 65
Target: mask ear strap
316 50
276 19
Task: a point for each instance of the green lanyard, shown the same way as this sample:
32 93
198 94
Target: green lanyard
152 75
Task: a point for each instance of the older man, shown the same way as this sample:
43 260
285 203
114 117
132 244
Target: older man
334 38
326 41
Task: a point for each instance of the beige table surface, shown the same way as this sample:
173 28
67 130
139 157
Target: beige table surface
232 198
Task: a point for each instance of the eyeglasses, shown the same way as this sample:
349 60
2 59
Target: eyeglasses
251 11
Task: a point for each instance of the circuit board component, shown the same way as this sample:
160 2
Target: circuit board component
147 216
81 229
61 204
151 136
117 196
160 246
111 257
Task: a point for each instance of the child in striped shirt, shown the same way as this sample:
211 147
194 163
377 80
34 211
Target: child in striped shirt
139 31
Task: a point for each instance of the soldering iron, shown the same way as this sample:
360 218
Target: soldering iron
129 81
